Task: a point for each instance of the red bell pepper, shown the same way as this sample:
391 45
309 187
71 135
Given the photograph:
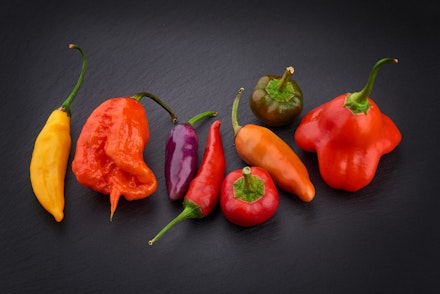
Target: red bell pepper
350 134
249 196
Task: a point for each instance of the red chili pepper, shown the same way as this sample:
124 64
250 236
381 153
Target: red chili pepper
249 196
203 192
349 134
109 150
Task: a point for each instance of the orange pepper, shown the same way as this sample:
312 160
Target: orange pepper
259 146
109 150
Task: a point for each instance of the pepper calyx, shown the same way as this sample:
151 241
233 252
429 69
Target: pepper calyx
281 89
356 103
249 187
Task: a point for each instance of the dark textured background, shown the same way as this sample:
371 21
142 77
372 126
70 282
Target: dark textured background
195 56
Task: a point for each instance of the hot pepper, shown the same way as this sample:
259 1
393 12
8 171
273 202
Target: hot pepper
203 192
349 134
51 153
259 146
248 196
181 156
109 150
277 100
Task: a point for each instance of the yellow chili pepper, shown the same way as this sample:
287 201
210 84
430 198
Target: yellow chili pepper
51 153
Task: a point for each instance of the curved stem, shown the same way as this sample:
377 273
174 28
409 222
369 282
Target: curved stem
357 102
234 115
200 116
138 97
66 104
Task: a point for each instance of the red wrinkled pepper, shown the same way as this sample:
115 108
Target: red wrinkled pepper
349 134
109 150
204 190
248 196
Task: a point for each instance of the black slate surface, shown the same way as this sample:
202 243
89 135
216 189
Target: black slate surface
195 56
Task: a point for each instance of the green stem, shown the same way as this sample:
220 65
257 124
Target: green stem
235 124
66 104
138 97
190 210
285 78
200 116
247 179
357 102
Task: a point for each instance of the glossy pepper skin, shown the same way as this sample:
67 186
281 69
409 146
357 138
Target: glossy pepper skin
109 150
181 156
277 100
248 196
51 153
349 135
259 146
204 190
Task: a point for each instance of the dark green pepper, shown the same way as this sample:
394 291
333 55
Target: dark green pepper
277 100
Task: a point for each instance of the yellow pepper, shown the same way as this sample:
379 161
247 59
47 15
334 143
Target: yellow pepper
51 153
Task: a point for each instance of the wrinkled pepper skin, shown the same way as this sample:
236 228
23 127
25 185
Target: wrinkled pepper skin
109 151
259 146
181 156
50 156
348 143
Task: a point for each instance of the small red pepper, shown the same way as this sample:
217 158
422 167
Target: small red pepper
249 196
349 134
109 150
203 192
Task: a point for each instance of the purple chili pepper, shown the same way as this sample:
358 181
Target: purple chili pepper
181 156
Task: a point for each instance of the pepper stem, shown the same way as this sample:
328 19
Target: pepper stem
247 178
285 78
139 96
357 102
200 116
190 210
248 188
235 124
66 104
